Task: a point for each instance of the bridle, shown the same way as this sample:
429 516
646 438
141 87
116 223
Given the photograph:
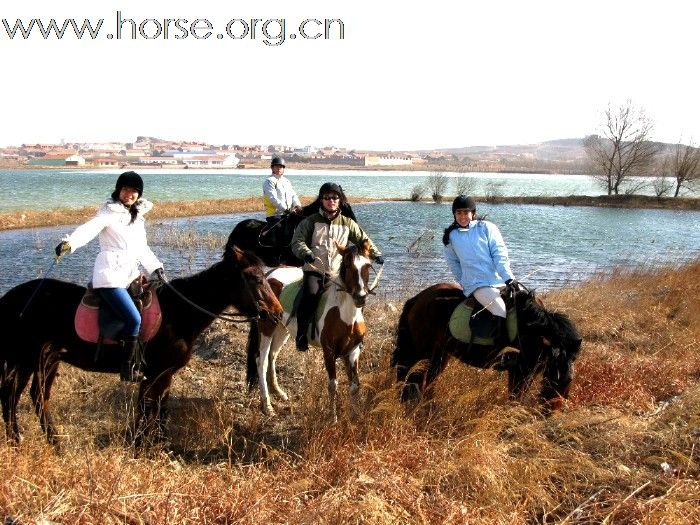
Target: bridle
230 317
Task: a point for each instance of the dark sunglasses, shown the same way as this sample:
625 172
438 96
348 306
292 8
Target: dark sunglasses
331 198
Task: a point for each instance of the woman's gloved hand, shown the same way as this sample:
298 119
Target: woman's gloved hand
62 248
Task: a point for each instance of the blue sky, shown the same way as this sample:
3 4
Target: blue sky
406 75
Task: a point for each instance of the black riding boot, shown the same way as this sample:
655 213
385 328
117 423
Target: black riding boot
131 369
305 310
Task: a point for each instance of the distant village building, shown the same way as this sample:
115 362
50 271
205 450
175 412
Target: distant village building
212 161
159 161
75 160
388 160
106 163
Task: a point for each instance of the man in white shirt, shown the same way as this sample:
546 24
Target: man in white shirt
278 194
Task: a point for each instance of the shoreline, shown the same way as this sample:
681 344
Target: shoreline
24 219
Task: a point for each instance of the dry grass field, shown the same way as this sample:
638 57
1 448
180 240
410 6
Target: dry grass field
624 450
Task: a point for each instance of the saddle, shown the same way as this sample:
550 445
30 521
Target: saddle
97 323
483 327
291 295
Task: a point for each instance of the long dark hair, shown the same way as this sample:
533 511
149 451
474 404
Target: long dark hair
133 210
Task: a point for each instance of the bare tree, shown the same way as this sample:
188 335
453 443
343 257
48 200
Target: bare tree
662 185
417 192
437 184
683 166
623 149
465 185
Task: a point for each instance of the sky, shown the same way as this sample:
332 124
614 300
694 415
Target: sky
406 75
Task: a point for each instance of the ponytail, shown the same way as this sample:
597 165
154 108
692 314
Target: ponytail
448 230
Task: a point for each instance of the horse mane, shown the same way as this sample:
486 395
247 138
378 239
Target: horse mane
559 326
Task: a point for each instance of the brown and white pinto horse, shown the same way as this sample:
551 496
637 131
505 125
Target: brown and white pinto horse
341 328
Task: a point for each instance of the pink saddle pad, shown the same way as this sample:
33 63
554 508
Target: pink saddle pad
87 326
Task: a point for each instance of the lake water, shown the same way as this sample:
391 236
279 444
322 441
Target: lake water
550 246
47 189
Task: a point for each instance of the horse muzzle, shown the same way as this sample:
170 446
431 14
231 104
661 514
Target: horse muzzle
359 299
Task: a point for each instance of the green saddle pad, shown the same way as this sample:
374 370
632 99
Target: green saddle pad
460 330
289 295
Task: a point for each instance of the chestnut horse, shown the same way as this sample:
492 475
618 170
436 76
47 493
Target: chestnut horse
340 328
36 320
548 343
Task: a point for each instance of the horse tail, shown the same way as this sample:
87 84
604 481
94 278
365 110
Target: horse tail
251 375
403 357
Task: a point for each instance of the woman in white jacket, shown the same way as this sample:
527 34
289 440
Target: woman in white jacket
120 228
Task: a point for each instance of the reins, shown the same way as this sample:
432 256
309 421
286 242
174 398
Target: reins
268 228
224 316
46 275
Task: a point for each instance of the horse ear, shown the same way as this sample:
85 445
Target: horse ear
237 253
364 248
341 249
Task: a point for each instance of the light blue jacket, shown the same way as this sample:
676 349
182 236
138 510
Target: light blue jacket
477 256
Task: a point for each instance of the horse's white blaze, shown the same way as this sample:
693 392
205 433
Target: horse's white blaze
359 263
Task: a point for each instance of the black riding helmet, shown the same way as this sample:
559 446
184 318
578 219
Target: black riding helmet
462 202
327 187
277 161
130 179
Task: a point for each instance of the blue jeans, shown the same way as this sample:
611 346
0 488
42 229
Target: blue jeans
123 305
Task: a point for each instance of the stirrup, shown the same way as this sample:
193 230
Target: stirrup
130 372
507 359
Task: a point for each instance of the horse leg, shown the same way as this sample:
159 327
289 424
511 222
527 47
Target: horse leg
41 391
153 396
12 387
329 361
262 360
276 347
517 384
351 362
556 384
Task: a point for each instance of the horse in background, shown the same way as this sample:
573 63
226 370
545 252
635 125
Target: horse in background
272 241
36 320
547 341
340 327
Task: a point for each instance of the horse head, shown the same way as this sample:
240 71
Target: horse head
559 343
354 271
254 296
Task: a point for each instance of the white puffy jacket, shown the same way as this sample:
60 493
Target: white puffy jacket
122 245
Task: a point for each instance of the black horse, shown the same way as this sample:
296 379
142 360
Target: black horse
548 342
271 241
36 320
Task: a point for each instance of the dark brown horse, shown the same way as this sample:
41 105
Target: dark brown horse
36 320
548 343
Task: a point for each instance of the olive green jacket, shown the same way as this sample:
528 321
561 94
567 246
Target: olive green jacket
318 236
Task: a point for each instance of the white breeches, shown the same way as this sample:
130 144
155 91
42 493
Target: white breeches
490 298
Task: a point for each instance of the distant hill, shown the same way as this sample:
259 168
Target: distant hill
560 149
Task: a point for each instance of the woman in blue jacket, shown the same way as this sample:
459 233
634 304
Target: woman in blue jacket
477 256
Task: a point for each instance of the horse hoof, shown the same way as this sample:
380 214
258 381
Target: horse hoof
268 410
410 392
